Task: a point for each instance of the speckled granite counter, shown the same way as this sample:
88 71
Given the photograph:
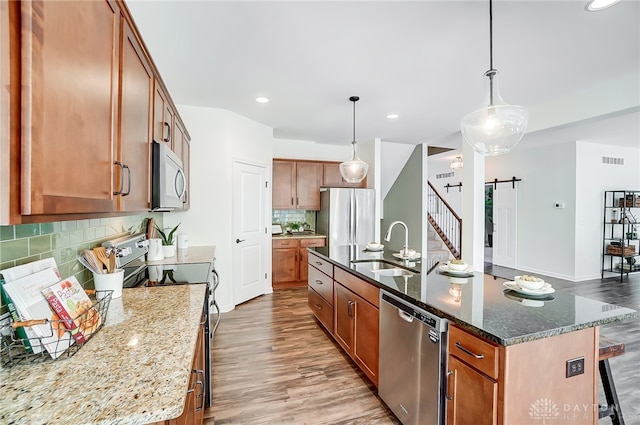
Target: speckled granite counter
485 307
301 235
191 255
135 370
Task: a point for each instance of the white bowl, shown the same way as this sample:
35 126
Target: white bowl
457 267
374 245
529 284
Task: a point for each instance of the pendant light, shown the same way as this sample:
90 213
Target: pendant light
354 170
497 127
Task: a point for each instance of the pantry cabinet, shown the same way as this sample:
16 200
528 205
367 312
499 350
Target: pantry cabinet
69 112
289 259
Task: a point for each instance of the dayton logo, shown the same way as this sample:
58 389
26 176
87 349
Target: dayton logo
543 409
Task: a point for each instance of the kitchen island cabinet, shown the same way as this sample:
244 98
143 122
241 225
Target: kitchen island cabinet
135 370
508 356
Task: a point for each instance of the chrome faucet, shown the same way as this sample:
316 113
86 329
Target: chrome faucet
387 237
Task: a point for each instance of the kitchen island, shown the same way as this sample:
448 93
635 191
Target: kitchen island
512 367
135 370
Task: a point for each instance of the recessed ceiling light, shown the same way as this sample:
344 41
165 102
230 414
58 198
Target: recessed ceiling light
393 116
262 100
595 5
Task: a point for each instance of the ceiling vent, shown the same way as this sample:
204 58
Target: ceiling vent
612 161
445 175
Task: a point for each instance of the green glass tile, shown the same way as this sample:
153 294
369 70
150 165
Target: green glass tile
7 265
6 233
46 228
65 269
89 233
76 237
39 244
60 240
94 222
67 254
76 267
12 250
26 260
67 226
100 232
27 230
57 255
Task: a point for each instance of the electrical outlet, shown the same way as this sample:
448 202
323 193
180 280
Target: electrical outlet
575 367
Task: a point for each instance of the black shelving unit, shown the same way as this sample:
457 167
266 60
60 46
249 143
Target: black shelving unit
621 231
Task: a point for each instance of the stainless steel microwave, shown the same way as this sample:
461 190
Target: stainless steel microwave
168 182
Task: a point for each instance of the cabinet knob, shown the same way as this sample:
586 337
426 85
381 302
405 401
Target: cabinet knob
318 282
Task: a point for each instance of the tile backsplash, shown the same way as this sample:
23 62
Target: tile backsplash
290 216
24 243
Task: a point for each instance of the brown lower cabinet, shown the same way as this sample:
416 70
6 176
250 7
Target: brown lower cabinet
193 413
474 396
348 307
289 259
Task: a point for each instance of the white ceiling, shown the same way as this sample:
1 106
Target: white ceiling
423 60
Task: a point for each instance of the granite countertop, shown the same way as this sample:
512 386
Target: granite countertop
485 308
299 235
193 254
135 370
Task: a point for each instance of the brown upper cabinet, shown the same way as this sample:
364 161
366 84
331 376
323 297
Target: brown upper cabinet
333 178
80 111
296 184
162 116
68 127
136 90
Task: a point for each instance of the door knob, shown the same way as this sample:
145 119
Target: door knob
239 240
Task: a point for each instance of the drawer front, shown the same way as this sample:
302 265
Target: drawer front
312 242
366 290
323 265
474 351
321 309
321 283
286 243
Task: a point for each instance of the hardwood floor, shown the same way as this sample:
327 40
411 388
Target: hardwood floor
273 363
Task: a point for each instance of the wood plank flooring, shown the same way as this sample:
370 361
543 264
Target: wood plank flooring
274 364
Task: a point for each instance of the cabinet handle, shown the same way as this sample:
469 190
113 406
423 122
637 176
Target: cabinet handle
350 305
120 191
126 167
318 263
318 306
168 127
449 373
200 395
471 353
318 282
292 201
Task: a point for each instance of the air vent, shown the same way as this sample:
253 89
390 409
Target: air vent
612 161
445 175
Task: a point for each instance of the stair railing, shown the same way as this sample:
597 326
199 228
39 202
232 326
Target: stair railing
445 221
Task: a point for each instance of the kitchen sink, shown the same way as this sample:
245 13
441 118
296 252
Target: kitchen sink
386 268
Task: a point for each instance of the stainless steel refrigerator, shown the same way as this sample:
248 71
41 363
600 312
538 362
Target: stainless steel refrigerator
346 216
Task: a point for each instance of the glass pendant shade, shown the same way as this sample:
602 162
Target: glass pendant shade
497 127
354 170
457 163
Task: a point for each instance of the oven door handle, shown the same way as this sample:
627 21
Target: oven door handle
217 313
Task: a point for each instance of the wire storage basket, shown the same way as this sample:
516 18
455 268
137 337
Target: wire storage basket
53 340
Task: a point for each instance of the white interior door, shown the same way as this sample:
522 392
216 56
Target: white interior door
505 216
249 231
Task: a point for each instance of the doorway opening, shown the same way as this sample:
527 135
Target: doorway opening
488 224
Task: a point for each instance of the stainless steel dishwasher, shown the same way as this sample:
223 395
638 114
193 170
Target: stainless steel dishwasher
413 346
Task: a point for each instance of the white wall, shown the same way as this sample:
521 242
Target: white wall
592 179
218 137
440 164
303 149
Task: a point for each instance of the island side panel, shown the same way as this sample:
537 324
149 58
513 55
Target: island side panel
536 387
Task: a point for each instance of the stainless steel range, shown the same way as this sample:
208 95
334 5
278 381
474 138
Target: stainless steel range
138 274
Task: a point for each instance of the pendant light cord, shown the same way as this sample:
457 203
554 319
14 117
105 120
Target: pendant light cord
354 122
491 71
